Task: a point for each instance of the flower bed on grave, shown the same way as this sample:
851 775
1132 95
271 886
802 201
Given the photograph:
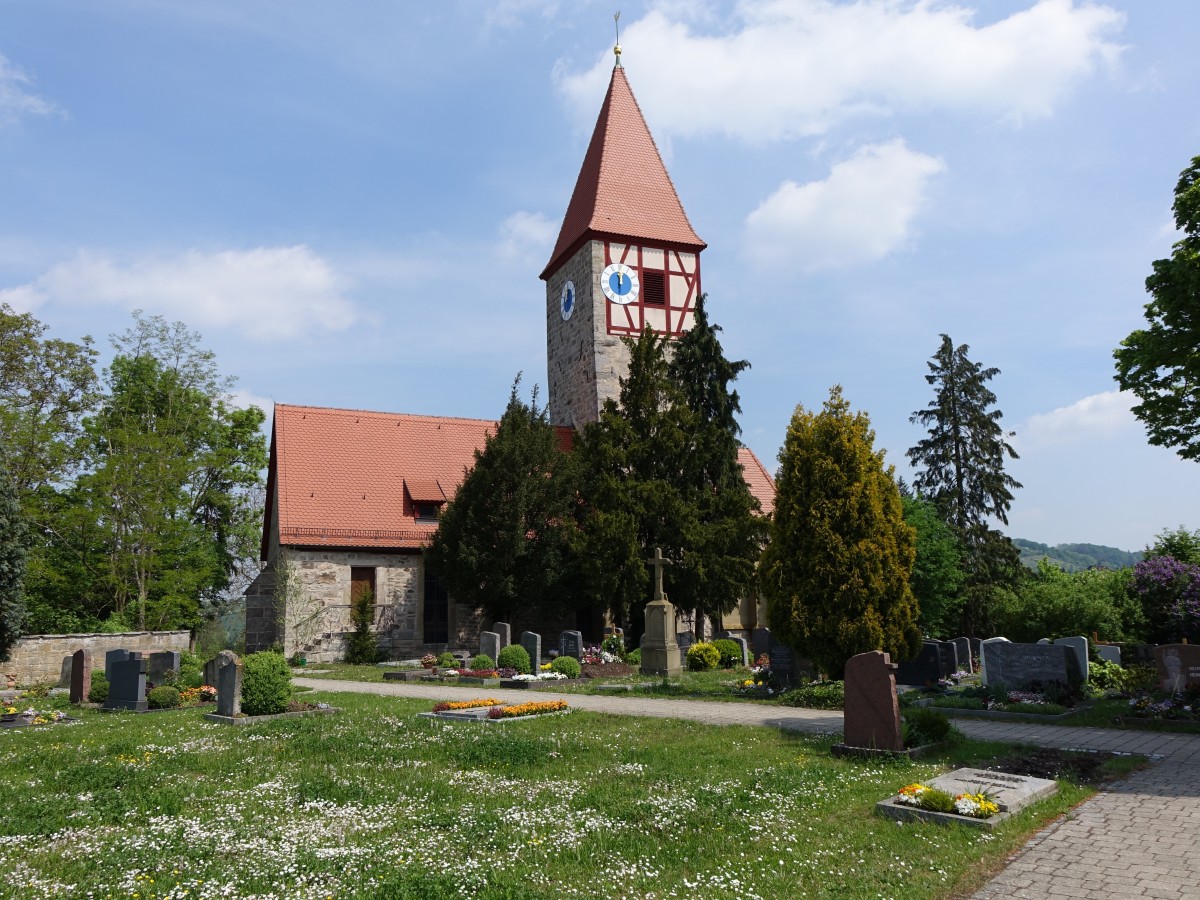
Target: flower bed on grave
1050 702
490 709
12 717
974 797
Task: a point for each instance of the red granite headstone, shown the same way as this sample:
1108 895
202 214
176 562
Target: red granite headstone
1178 666
81 675
872 712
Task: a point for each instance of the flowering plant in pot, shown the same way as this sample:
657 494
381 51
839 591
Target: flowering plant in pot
428 661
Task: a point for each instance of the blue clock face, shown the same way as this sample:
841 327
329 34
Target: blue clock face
566 300
619 283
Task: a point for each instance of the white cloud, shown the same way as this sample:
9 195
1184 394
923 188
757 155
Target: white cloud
244 399
789 68
23 298
860 213
266 294
1098 416
527 239
16 100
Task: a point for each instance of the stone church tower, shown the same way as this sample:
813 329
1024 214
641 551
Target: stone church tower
626 257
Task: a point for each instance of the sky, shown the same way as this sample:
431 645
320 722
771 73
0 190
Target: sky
352 202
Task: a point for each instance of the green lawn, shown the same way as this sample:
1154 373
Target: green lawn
377 803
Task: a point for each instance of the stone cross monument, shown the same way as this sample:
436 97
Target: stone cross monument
660 651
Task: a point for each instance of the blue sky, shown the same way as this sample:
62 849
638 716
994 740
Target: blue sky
352 202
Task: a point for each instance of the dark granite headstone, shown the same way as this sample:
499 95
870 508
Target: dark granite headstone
127 686
760 642
228 683
684 639
872 711
949 657
926 669
570 643
532 642
783 662
160 664
1178 666
111 657
64 674
1017 666
1079 648
963 646
81 675
505 631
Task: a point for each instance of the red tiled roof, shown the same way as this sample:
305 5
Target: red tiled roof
758 479
341 474
623 189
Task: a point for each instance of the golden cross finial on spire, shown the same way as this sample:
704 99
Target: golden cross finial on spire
617 27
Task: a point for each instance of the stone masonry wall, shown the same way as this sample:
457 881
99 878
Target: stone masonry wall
261 628
571 346
39 658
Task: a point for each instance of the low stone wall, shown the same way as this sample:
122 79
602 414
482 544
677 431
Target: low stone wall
39 658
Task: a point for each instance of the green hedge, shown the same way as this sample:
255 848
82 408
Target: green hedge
266 684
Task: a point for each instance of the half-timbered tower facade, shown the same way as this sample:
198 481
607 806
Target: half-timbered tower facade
626 258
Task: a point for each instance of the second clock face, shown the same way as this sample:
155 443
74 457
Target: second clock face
566 300
619 283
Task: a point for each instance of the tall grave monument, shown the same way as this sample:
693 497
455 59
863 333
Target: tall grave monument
660 650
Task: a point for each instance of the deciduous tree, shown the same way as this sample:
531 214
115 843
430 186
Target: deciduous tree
937 574
836 570
1161 362
12 562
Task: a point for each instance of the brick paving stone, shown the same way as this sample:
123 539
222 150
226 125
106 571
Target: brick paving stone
1136 839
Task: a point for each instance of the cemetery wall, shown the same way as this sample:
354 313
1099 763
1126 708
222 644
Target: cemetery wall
38 658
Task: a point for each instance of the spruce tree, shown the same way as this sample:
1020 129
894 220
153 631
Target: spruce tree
961 471
500 543
728 530
836 571
12 562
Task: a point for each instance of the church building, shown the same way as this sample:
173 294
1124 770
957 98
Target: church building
353 497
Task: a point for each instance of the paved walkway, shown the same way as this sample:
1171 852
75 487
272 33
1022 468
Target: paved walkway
1136 838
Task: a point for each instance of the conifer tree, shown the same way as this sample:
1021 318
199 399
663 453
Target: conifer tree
836 571
961 471
12 562
500 544
728 532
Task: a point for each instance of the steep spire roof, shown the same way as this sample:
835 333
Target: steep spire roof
623 187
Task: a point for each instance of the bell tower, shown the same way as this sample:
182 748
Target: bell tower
626 257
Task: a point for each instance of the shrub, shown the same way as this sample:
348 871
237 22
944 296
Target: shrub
925 726
99 689
191 670
937 801
614 644
514 656
482 661
702 656
567 665
449 661
1106 676
731 652
634 657
817 695
163 697
363 647
266 684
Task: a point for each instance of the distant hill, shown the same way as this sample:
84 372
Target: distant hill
1075 557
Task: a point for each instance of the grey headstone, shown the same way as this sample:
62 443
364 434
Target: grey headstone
64 675
741 642
963 646
1043 641
228 683
983 657
127 686
111 657
210 672
1109 653
925 669
1017 666
81 675
489 644
162 663
1079 645
532 642
505 631
570 643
